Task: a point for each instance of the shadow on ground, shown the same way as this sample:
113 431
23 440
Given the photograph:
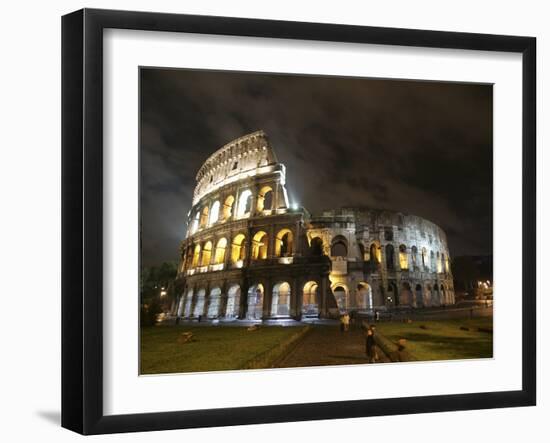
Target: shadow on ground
54 417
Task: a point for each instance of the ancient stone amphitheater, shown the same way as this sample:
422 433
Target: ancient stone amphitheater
250 254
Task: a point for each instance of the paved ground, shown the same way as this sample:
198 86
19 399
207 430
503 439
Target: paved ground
326 345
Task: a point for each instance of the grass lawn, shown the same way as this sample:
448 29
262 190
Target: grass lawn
213 348
443 340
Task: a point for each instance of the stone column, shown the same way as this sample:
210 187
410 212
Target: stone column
298 297
206 300
236 204
268 298
294 311
271 247
323 295
243 301
275 204
254 204
184 296
193 301
383 288
297 243
228 251
180 304
223 299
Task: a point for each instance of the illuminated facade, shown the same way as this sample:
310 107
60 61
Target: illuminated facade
250 254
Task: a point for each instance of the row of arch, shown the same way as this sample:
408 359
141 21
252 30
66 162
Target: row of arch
429 294
209 215
210 253
196 304
421 296
435 261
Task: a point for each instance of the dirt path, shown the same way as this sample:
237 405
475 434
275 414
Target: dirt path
326 345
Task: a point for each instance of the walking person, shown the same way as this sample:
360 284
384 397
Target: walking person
370 346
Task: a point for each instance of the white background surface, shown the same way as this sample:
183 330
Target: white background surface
125 392
30 234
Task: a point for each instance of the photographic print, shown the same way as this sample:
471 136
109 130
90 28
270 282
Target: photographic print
304 220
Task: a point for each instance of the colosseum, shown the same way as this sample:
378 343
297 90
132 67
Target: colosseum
250 254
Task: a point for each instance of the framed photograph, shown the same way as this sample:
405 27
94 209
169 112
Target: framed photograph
268 221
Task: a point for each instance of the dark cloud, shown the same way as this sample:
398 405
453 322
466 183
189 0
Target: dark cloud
419 147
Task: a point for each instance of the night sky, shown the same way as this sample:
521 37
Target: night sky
423 148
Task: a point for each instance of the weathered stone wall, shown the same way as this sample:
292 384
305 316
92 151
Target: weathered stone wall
402 260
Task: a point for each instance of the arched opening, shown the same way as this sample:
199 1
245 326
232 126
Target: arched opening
214 213
228 208
418 297
206 253
280 300
374 256
424 259
214 303
393 294
204 217
406 296
447 264
233 301
316 246
265 199
432 261
188 302
255 302
284 243
364 296
390 260
414 259
196 256
310 299
238 249
245 204
439 263
259 245
195 223
428 296
443 294
340 292
442 263
403 258
219 255
199 303
339 247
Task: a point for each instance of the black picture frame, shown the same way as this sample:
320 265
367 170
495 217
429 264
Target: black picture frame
82 218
